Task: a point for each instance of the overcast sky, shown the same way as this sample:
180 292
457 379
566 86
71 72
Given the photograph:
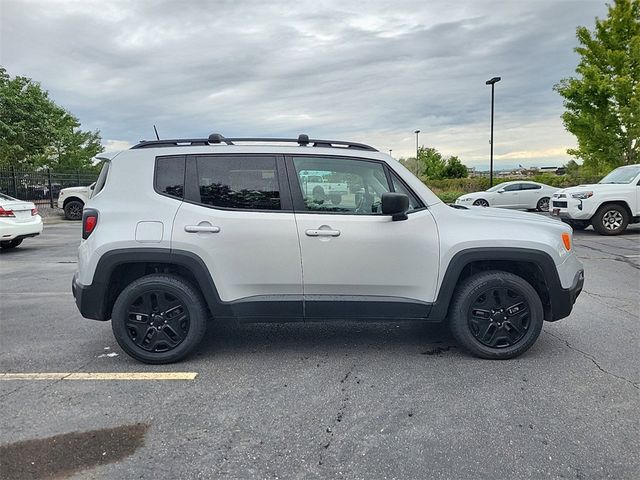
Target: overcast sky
365 71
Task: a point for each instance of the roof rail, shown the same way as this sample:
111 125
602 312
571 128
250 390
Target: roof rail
216 138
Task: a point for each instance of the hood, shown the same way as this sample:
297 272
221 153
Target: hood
595 187
76 189
502 213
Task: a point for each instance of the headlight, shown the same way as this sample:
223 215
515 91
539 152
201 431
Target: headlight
582 195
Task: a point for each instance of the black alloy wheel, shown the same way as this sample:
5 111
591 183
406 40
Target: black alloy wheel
496 315
481 202
159 318
73 210
157 321
499 317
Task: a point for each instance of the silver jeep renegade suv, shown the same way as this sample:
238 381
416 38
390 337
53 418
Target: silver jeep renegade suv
261 230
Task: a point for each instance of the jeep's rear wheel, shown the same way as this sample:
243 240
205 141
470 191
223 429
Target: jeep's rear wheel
496 315
159 319
610 219
73 210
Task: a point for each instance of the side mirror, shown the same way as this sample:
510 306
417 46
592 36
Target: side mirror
396 205
501 191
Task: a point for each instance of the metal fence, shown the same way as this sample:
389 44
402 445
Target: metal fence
41 186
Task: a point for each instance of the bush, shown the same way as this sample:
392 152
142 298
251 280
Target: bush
449 197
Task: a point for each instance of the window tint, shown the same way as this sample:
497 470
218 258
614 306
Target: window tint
399 187
341 184
102 178
170 176
239 182
530 186
512 188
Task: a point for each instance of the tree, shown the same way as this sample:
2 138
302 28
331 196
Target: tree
36 132
603 102
455 169
431 162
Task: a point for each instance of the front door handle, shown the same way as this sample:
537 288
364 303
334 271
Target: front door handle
201 228
322 233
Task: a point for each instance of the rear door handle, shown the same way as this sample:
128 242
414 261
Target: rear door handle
322 233
201 228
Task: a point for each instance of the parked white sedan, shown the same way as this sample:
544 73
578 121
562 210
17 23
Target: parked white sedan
522 195
18 220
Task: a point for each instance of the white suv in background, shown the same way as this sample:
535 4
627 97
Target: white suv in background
178 231
73 199
609 205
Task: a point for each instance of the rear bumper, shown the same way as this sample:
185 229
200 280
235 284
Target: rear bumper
11 230
89 299
562 301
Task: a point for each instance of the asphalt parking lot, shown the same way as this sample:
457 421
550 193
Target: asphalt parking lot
339 400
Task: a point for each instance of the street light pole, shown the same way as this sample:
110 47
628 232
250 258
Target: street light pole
417 132
491 82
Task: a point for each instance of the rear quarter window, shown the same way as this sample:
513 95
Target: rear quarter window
169 178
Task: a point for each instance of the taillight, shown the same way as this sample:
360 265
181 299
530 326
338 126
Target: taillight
6 213
34 211
89 222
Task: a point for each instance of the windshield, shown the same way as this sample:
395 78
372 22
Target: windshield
6 197
622 175
495 188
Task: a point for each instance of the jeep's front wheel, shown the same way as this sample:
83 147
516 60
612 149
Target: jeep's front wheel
496 315
610 219
159 319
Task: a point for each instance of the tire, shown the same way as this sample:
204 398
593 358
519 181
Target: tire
543 204
577 224
481 202
73 210
336 199
151 339
502 339
610 219
318 194
10 244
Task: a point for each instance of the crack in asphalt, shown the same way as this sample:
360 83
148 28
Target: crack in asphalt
595 362
613 256
598 295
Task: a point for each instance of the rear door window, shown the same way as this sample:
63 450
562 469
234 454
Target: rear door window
238 182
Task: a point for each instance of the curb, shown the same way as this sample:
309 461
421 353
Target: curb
55 220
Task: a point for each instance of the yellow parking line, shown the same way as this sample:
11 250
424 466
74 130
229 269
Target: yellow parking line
101 376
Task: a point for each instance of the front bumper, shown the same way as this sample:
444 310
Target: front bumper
562 301
571 208
89 299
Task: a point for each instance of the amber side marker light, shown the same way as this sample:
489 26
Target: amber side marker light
566 239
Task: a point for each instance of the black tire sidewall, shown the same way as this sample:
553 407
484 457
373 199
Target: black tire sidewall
177 287
598 218
469 291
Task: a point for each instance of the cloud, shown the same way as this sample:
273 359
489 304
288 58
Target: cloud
365 72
